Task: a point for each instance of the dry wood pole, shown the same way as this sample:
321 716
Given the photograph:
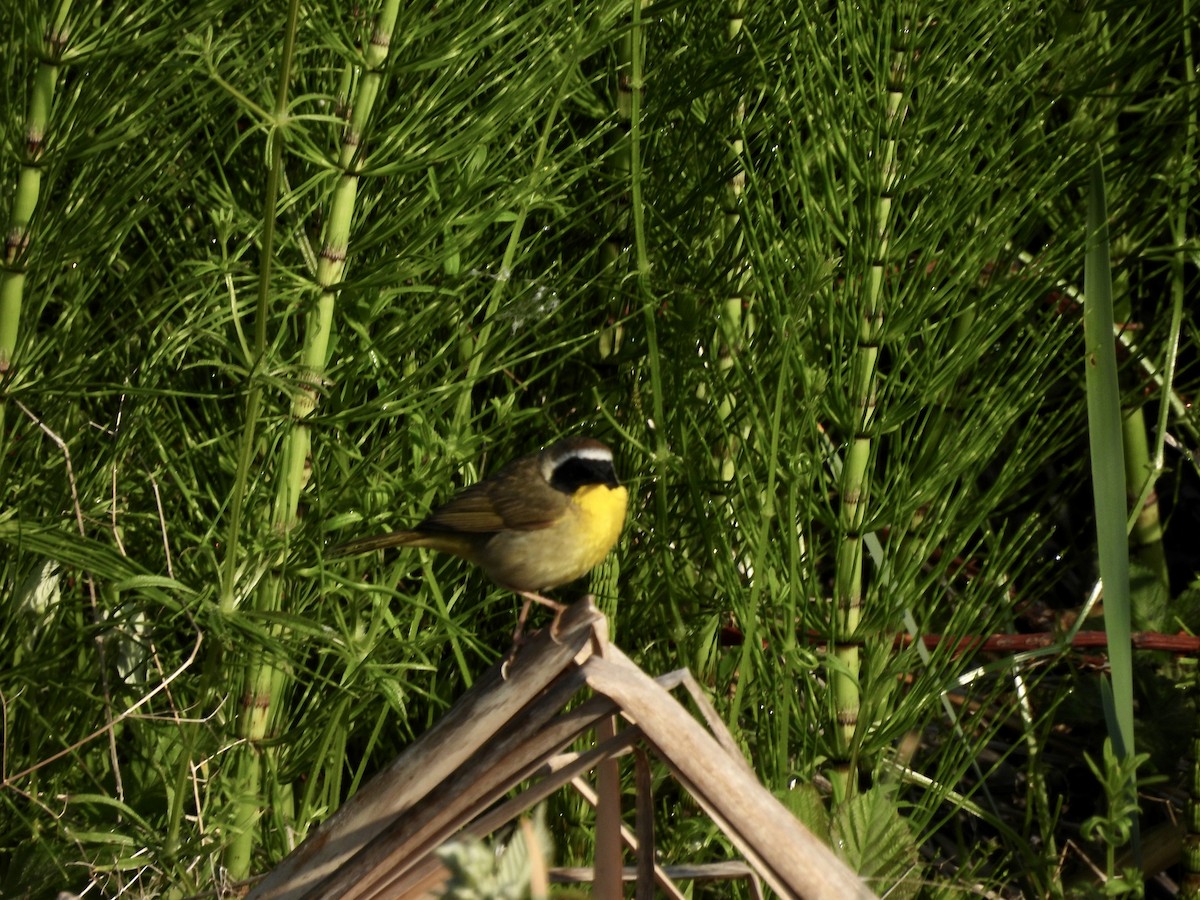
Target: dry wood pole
501 734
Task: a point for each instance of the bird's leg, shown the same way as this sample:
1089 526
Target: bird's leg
519 635
531 598
559 609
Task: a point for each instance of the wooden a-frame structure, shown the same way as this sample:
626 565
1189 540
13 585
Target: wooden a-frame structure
505 732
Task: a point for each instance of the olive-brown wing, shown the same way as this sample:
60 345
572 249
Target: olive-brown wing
515 499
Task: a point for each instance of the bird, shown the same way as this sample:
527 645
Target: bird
541 521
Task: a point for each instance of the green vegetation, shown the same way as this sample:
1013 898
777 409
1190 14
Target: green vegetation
276 276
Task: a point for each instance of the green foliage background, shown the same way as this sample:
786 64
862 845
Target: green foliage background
693 230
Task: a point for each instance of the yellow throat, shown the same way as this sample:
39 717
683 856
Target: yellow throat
603 511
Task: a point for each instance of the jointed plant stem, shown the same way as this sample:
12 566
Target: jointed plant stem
856 472
264 681
18 229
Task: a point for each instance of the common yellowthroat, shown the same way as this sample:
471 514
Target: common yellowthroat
539 522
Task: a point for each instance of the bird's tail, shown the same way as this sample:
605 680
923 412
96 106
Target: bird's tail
380 542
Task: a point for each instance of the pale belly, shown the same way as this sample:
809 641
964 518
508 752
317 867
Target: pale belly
538 560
